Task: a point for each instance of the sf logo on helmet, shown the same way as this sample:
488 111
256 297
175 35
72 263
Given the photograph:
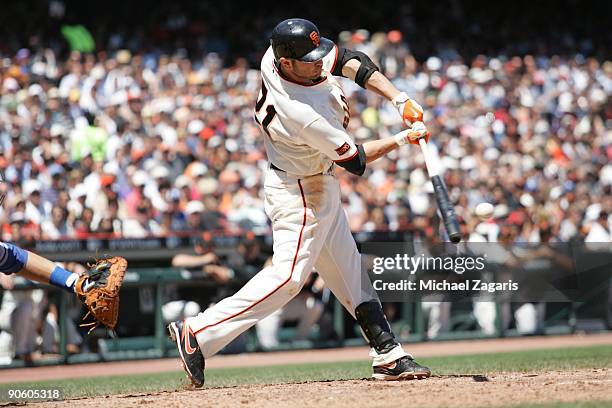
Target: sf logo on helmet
315 38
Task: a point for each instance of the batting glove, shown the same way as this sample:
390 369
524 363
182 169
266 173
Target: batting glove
417 131
409 109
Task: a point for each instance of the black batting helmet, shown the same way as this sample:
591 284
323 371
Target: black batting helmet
299 39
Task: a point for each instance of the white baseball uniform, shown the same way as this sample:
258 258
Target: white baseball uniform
304 134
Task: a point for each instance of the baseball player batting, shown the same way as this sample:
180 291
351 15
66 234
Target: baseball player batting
304 114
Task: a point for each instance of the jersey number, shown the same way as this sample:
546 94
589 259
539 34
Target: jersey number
347 112
270 110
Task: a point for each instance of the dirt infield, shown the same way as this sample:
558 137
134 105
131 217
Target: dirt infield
443 348
480 391
483 390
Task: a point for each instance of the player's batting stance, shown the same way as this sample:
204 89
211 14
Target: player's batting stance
303 114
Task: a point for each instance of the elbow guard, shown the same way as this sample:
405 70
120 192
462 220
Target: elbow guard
365 71
355 164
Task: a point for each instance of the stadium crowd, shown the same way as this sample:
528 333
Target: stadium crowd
146 136
122 143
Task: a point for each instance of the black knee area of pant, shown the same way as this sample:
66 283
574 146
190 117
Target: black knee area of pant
374 324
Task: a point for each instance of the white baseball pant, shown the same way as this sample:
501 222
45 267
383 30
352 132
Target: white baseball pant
304 308
310 230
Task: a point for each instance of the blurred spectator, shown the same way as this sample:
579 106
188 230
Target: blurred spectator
600 230
143 224
194 210
82 225
58 226
88 139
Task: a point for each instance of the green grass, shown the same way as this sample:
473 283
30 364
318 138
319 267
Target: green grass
522 361
534 360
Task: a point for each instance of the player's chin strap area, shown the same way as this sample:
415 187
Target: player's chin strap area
375 326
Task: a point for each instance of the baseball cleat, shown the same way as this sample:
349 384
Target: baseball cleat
189 351
404 368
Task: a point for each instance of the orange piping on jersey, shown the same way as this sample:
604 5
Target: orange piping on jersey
280 73
348 158
335 60
297 250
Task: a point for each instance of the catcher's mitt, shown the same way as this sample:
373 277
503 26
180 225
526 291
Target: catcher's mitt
98 290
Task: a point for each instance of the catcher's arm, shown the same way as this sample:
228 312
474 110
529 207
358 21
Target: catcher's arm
98 289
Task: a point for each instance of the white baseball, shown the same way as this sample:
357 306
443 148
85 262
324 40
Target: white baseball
484 211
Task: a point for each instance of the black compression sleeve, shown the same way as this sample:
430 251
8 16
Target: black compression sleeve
366 69
355 164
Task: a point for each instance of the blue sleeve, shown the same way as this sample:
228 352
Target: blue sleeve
12 258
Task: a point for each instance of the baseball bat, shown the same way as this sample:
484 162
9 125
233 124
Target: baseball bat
444 203
2 195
